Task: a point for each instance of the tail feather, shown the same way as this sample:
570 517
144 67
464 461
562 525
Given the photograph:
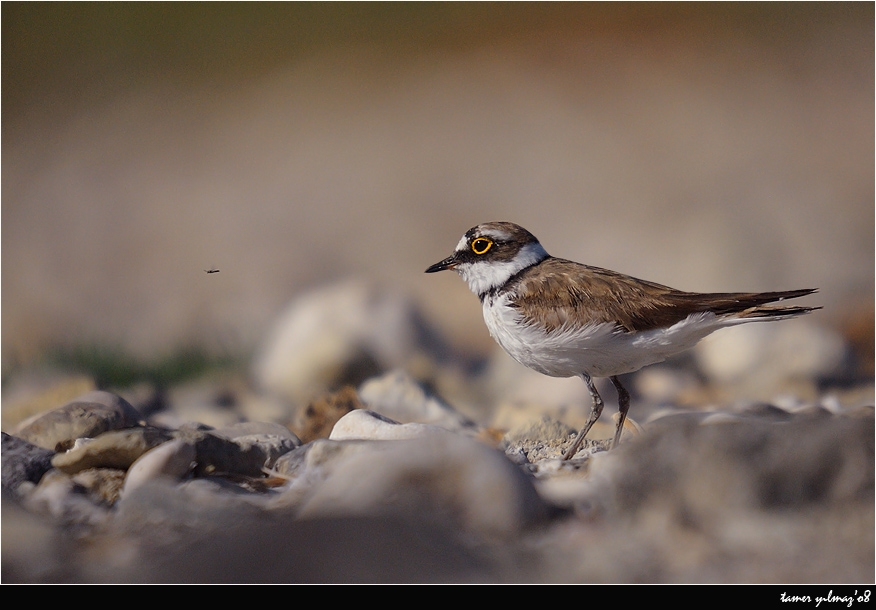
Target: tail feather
748 304
772 297
752 306
774 313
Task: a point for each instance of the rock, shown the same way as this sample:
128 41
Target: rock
763 358
256 428
22 462
347 550
67 501
544 438
161 512
746 464
542 429
274 447
273 439
398 396
114 449
104 485
218 455
764 411
515 416
339 334
438 477
169 461
85 417
315 457
314 462
318 418
364 424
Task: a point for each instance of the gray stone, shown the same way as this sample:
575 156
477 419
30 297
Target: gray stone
445 477
23 461
85 417
67 501
114 449
365 424
338 334
315 459
251 428
762 359
273 439
546 439
273 446
218 455
104 485
171 461
398 395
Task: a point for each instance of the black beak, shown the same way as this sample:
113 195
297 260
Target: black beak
448 263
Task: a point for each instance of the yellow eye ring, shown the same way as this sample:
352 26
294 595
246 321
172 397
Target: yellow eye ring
481 245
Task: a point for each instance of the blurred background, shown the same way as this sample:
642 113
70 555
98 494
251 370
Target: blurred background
710 147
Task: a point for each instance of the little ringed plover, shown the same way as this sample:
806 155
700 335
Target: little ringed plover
565 319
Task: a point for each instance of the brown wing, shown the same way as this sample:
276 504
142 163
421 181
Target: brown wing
557 290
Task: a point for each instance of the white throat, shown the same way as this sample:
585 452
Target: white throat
486 275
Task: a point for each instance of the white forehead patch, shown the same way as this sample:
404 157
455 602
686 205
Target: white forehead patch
497 234
494 234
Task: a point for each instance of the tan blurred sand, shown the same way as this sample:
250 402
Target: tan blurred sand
709 150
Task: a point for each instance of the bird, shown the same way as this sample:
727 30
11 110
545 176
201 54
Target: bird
567 319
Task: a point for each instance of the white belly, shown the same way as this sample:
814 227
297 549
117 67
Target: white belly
600 350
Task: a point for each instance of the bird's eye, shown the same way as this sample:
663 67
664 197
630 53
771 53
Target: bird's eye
481 245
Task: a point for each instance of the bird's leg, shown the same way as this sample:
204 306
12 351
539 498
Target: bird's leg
595 412
623 405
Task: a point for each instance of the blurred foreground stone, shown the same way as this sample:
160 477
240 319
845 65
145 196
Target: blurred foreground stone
341 333
762 495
